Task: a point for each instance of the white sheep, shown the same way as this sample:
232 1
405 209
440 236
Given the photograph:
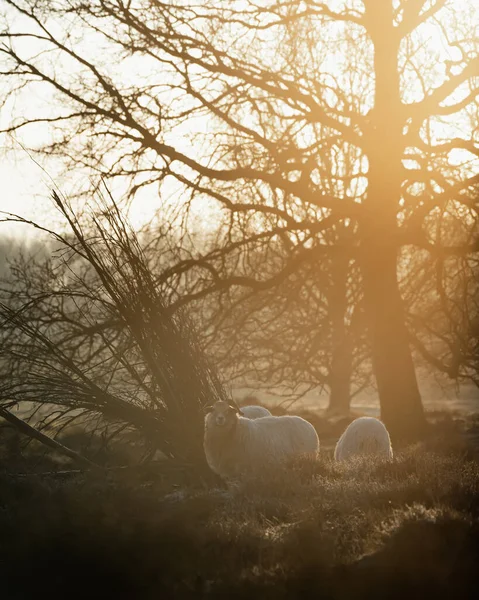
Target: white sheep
254 412
235 445
364 436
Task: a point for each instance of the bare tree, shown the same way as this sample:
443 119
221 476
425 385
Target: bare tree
88 336
304 333
442 298
287 90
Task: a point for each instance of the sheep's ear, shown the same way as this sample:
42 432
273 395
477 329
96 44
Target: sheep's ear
207 409
236 409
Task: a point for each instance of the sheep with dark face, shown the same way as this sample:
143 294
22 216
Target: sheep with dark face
365 436
235 445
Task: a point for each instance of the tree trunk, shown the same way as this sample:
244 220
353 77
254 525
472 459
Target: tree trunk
401 406
342 349
340 379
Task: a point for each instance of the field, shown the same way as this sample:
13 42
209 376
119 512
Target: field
317 530
438 393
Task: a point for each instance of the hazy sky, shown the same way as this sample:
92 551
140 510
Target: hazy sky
26 188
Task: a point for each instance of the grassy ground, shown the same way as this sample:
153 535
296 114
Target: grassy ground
317 530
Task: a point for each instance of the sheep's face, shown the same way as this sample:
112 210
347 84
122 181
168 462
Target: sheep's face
221 416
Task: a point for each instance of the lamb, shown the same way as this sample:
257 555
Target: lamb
236 446
364 436
254 412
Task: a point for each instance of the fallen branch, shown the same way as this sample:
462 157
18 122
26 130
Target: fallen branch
45 439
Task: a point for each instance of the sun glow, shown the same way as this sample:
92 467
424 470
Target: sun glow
429 56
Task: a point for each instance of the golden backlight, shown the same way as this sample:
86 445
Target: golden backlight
428 56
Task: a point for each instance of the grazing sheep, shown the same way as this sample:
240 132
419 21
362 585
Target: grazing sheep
364 436
254 412
235 445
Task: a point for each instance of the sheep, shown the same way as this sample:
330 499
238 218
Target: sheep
364 436
236 446
254 412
